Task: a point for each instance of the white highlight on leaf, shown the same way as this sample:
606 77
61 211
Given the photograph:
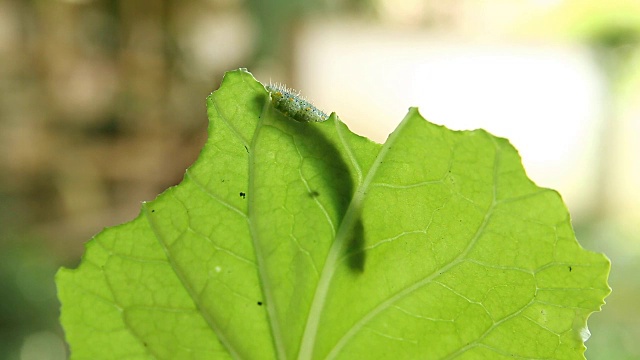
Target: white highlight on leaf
584 332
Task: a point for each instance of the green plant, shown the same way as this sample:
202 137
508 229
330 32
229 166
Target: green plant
304 240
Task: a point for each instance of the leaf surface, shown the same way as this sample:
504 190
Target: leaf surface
290 240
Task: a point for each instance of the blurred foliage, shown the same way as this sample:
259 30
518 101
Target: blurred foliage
103 106
611 27
28 303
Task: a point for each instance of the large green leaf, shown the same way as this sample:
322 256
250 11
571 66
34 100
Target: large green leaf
295 240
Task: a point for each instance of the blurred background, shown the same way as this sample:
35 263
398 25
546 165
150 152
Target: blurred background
102 106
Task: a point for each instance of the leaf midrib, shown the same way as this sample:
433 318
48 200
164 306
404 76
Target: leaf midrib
266 287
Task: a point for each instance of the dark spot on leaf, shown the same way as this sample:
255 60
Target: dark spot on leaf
314 194
246 148
153 210
259 303
243 195
570 268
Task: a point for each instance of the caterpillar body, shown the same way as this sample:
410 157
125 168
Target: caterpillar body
290 103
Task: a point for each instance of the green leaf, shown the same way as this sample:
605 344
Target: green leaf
295 240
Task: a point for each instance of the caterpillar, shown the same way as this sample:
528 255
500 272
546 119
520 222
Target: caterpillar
290 103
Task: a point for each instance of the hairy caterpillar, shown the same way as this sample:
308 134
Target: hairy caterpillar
290 103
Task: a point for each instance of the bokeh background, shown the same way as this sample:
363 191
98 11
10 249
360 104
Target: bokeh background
102 106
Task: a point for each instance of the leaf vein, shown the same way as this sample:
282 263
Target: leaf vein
190 290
